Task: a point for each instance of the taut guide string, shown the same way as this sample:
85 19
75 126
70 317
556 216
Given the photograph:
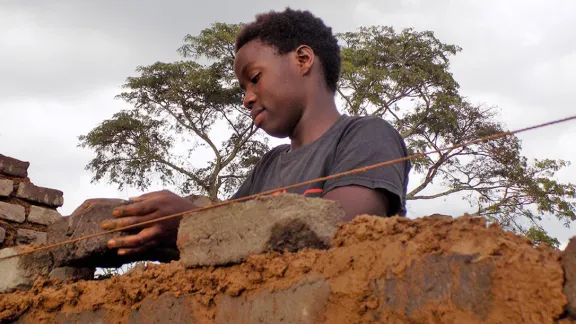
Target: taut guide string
363 169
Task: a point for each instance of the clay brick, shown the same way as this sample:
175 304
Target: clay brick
15 213
13 167
569 265
89 317
44 216
166 309
19 273
6 187
303 303
72 273
46 196
437 278
25 236
2 234
231 233
93 252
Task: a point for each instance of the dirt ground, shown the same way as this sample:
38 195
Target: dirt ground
512 281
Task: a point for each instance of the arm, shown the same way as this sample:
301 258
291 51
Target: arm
380 191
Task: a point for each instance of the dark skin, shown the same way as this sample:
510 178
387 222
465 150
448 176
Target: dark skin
288 97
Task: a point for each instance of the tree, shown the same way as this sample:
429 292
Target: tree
402 77
177 108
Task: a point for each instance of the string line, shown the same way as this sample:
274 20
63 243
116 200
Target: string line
330 177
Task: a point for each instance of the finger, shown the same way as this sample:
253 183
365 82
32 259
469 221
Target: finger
142 208
133 221
142 248
131 241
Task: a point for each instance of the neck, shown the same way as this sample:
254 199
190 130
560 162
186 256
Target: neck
319 115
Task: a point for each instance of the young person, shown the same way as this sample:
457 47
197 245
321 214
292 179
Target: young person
288 64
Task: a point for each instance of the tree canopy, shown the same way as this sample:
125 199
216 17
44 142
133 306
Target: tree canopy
178 108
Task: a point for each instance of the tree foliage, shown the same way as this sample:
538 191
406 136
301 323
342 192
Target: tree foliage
403 77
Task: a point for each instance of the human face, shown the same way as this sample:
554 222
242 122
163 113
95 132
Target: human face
274 89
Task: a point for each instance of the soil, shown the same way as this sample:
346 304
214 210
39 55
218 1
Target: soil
525 283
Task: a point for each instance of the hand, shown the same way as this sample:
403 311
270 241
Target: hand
144 208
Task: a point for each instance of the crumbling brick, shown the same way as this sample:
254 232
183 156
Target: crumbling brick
46 196
569 266
15 213
25 236
231 233
72 273
94 252
19 273
6 187
303 303
2 234
13 167
43 216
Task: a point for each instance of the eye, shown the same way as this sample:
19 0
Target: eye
255 78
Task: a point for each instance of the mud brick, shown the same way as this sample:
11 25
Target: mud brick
25 236
44 216
569 266
166 309
303 303
2 234
94 252
6 187
437 278
46 196
72 273
19 273
230 233
15 213
13 167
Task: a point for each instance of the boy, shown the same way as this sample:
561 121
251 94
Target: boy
288 64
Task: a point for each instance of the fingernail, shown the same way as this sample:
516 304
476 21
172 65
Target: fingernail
107 225
111 244
116 212
121 252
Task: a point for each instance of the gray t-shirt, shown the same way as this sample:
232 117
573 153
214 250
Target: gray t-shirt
352 142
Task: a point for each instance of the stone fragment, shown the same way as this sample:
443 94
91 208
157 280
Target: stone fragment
13 167
94 252
569 266
72 273
15 213
19 273
2 234
6 187
46 196
303 303
25 236
43 216
230 233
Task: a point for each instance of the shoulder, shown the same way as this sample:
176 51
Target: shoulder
369 129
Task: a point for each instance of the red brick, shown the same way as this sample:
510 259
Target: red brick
46 196
569 265
13 167
303 303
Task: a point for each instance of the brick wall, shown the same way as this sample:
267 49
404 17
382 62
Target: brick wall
25 209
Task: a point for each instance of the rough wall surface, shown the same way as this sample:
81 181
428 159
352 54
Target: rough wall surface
25 209
394 270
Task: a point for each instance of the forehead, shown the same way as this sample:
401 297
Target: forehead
253 52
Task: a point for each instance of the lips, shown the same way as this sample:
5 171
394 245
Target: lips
257 116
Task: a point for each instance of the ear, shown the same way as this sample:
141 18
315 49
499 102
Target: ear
304 58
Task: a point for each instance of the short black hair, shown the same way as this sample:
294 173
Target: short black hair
289 29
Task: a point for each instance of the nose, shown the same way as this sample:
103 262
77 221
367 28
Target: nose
249 99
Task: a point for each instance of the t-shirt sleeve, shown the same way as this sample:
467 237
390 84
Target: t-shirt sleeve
369 141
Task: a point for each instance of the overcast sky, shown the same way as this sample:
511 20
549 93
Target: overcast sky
62 62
